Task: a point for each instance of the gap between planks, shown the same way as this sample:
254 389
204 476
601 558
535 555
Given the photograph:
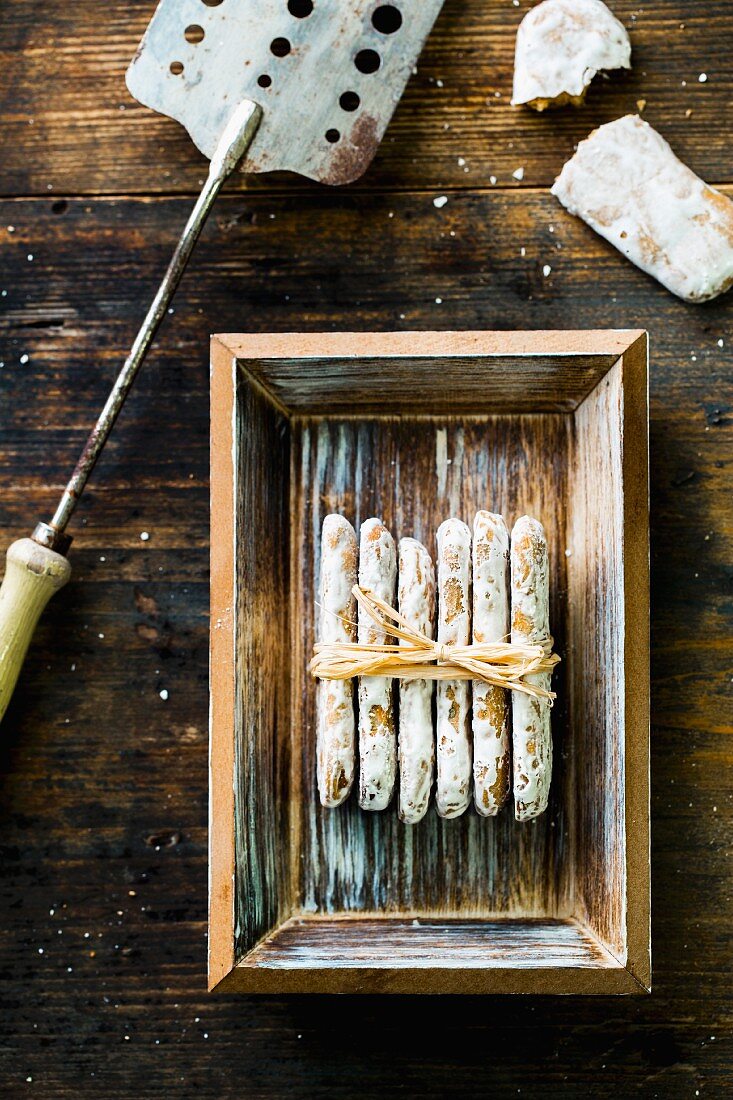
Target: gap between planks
299 190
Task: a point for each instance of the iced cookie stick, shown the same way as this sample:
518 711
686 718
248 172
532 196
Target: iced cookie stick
377 742
335 700
628 185
531 736
453 749
490 624
416 744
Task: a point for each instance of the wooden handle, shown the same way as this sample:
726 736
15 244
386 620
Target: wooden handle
32 575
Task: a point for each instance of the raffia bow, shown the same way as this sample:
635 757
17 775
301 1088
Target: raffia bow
501 663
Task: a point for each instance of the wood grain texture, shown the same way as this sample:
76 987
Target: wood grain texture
70 121
595 566
92 810
579 980
262 673
353 385
379 943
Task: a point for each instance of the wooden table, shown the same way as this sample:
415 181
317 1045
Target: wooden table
103 781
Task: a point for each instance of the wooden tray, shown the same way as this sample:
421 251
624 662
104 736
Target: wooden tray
415 427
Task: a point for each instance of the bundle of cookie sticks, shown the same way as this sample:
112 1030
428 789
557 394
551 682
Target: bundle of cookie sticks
480 660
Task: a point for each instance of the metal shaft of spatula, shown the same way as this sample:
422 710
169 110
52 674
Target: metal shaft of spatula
325 76
36 566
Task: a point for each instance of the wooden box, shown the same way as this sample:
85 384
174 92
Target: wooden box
415 427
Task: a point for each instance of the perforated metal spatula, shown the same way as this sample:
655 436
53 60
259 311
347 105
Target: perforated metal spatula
303 85
327 75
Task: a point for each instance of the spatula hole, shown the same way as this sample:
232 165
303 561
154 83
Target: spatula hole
280 47
332 136
194 33
367 61
387 19
176 67
212 3
264 81
349 101
301 9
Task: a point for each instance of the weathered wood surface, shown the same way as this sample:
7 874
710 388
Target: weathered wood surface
377 942
103 787
70 122
265 804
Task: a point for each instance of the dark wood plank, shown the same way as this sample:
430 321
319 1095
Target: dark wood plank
71 125
114 800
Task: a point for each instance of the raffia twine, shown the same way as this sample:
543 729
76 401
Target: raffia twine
500 663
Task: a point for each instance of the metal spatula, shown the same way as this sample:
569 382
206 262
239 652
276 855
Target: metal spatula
303 85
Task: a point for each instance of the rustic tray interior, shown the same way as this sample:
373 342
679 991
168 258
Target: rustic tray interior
415 440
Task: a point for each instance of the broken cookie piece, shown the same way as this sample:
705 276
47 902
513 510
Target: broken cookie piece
561 45
629 186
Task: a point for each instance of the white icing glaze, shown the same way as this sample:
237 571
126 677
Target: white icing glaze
338 577
531 733
490 624
627 184
416 743
453 707
490 570
561 45
377 741
334 701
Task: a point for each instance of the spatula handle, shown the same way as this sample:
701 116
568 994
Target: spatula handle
32 574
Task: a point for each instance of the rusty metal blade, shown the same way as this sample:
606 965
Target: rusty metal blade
328 75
